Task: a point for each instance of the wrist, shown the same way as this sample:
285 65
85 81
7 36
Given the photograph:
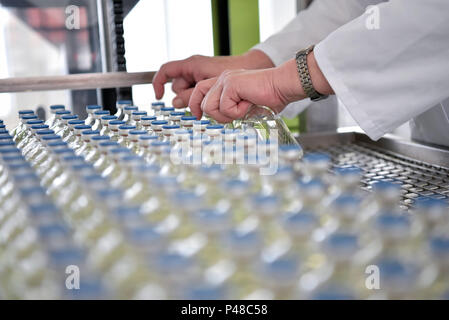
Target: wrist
287 82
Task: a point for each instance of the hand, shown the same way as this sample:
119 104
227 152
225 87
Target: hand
229 96
185 74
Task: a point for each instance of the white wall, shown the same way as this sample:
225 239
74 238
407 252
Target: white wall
157 31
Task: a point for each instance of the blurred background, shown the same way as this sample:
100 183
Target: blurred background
58 37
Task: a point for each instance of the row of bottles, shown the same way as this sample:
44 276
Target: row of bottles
159 205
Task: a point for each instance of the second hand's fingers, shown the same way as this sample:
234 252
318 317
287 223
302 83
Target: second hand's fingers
211 103
232 105
182 99
198 95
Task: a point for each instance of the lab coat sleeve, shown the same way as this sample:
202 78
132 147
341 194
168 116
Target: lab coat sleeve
389 75
311 26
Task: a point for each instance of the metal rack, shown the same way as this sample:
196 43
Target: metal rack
421 170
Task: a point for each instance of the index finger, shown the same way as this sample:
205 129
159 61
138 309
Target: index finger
168 71
198 95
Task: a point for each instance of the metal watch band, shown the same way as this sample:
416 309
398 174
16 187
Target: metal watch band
304 75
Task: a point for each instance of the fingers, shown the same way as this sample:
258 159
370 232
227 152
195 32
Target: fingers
198 95
182 99
180 84
211 103
233 108
231 103
168 71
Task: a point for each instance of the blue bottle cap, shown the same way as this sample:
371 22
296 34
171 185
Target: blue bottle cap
131 108
82 127
109 144
57 107
7 151
127 211
139 113
215 126
90 132
138 132
39 126
158 103
189 118
333 293
342 243
12 158
34 190
93 107
109 117
75 122
144 235
149 118
69 117
5 137
391 220
48 231
44 132
34 122
177 113
55 144
148 137
116 122
110 193
202 122
101 138
73 158
7 143
29 117
62 112
172 262
167 109
302 221
159 122
168 127
119 150
127 127
51 137
62 151
160 143
19 165
43 208
101 112
129 102
24 112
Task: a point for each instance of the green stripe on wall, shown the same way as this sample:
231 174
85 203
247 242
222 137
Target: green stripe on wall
243 25
215 27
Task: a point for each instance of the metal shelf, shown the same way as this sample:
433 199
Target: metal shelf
421 170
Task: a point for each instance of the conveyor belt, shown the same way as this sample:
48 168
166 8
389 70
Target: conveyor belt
417 178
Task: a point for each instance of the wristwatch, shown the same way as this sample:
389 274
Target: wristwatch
304 75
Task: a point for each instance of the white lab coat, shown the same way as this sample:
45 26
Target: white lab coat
384 77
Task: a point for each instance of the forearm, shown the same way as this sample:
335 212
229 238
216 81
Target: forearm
255 59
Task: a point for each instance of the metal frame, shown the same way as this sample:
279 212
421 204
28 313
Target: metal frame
421 170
